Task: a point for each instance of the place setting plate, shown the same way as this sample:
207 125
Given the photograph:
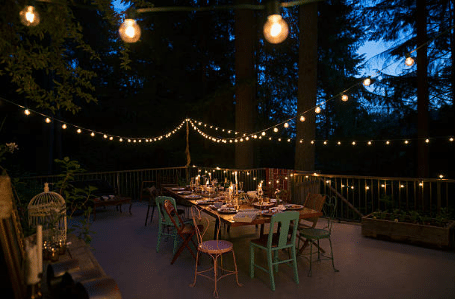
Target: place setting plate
264 205
227 211
184 192
293 207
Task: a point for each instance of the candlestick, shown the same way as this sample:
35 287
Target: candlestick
39 243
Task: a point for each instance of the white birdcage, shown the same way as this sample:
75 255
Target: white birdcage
49 210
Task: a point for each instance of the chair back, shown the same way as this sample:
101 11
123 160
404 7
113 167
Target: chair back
164 217
171 213
330 208
315 201
287 221
199 221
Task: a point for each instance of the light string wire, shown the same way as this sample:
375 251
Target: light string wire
80 129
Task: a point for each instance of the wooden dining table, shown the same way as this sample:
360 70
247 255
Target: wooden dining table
229 219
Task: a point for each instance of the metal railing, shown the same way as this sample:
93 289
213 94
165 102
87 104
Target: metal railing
358 195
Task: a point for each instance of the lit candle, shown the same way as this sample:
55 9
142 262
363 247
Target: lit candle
39 243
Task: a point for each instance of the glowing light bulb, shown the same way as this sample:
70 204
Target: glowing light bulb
27 112
92 134
344 98
129 31
105 136
387 142
47 120
409 61
317 110
275 29
367 82
369 142
441 176
64 126
406 142
263 133
79 131
29 16
275 129
339 142
286 125
427 140
302 118
121 140
353 143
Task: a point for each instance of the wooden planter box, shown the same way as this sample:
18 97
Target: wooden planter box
419 234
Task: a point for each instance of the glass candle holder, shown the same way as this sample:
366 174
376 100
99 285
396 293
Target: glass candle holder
54 253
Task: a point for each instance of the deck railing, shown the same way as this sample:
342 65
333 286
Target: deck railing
358 195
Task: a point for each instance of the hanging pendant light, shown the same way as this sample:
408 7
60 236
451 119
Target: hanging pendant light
129 31
275 29
29 16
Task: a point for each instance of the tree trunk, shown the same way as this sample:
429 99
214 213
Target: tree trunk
307 86
422 91
245 82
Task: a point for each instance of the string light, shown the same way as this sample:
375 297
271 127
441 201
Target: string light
27 112
79 131
64 126
129 31
275 29
409 61
29 16
92 134
47 120
317 110
302 118
367 81
286 125
275 129
344 98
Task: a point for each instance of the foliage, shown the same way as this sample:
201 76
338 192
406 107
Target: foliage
77 199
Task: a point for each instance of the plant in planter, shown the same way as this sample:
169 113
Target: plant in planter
410 227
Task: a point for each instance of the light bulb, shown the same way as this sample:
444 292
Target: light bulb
92 134
263 133
409 61
344 98
275 29
79 131
286 125
29 16
129 31
302 118
317 110
27 112
47 120
64 126
105 136
275 129
367 82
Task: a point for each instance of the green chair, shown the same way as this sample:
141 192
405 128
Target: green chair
273 243
315 234
165 225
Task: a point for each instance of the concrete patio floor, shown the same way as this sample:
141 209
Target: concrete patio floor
369 268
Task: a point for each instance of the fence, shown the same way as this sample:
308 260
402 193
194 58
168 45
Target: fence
358 195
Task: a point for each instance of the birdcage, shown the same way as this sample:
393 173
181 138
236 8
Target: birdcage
49 210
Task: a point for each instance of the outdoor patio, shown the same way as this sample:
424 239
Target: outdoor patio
369 268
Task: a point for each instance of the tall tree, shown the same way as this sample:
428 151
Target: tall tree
245 82
307 92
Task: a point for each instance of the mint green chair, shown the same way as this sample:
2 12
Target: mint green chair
315 234
165 225
273 243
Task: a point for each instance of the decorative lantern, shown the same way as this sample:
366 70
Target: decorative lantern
49 210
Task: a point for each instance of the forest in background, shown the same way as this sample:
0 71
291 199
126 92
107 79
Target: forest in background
77 69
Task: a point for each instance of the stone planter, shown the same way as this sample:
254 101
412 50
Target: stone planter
418 234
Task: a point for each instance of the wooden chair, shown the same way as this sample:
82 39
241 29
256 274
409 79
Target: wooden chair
214 248
317 234
184 230
273 243
165 225
149 192
316 202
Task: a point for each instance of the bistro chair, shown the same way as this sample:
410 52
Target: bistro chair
185 231
315 234
165 225
273 243
149 193
213 248
315 202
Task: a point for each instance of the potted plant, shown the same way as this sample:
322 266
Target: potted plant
410 227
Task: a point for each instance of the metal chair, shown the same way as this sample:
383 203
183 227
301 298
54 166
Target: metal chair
315 202
273 243
165 225
184 230
316 234
214 248
149 193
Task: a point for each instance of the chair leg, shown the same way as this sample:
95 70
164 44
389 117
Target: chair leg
331 254
147 217
160 233
215 272
270 265
311 257
275 260
195 271
153 211
251 261
294 263
236 270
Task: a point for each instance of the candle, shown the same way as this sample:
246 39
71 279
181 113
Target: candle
236 182
39 243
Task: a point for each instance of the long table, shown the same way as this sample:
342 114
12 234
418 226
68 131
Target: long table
228 219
